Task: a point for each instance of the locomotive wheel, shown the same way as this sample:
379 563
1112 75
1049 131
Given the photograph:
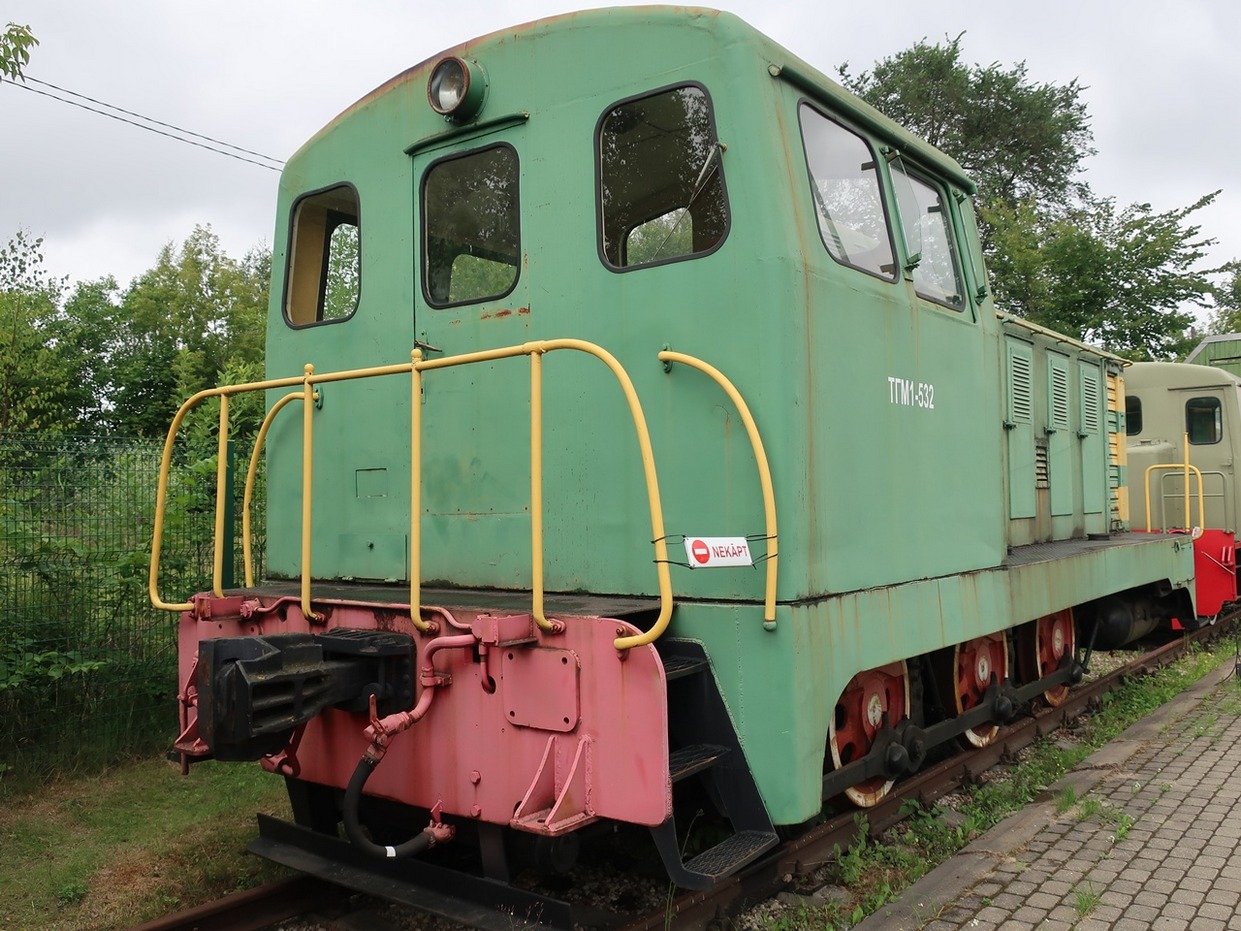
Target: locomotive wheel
977 664
1044 645
872 700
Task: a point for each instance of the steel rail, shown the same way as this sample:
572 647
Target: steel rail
253 909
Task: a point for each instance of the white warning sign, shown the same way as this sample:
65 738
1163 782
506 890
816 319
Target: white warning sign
717 552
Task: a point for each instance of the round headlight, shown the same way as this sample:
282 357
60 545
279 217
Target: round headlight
456 88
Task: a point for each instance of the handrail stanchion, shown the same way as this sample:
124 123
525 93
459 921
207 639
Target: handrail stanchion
1186 511
221 493
415 490
308 446
536 490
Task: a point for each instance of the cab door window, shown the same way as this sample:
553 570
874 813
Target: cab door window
471 243
1204 421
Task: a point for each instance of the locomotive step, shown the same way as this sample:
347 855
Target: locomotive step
730 855
677 666
695 758
710 866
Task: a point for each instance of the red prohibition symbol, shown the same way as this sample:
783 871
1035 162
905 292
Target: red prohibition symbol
701 552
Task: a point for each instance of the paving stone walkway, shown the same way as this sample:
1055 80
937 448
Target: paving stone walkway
1153 842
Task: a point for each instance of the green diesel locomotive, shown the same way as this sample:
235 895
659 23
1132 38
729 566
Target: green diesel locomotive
641 432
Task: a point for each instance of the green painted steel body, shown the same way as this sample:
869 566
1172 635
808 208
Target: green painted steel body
894 508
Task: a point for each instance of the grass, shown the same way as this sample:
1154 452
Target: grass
114 850
1086 899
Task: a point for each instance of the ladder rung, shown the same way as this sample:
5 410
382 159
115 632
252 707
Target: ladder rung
693 759
677 666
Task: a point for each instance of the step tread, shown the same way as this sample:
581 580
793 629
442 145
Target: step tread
730 855
685 761
677 666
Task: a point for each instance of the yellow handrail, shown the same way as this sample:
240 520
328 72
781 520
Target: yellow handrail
221 489
161 494
539 348
414 368
252 472
308 470
415 489
764 472
1187 468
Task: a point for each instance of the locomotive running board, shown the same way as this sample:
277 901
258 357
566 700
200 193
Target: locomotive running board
471 900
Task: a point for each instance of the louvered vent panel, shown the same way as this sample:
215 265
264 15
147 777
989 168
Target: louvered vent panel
1090 403
1059 397
1021 394
1042 474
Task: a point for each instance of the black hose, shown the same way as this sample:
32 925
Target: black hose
353 828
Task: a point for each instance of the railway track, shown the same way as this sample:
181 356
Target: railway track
254 909
266 906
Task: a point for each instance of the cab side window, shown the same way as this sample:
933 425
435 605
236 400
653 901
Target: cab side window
661 179
1133 415
323 280
844 182
471 243
928 238
1204 421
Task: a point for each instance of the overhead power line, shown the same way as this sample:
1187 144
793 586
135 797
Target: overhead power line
150 124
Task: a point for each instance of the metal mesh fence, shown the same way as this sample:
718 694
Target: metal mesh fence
87 665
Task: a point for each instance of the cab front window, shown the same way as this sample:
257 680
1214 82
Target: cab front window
323 280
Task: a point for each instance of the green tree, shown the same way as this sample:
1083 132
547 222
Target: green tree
35 385
1021 141
15 45
1122 278
1118 279
184 321
1227 315
88 329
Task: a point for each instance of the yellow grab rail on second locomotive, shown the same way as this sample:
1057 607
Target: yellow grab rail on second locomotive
1180 467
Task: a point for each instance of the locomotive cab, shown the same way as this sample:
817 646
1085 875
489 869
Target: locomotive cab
1183 428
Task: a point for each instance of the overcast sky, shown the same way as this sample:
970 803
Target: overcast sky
1161 78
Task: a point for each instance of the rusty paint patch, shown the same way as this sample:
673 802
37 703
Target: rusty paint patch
524 310
389 621
498 315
